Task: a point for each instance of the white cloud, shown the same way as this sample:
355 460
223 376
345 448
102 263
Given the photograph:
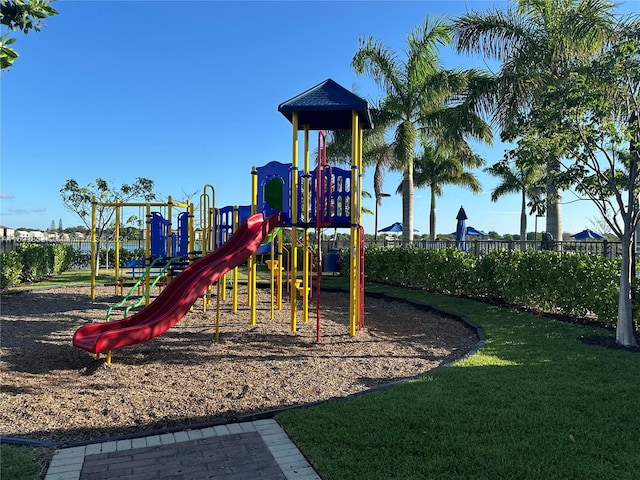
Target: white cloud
18 211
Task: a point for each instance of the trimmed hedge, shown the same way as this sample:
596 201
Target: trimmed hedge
571 284
10 269
34 261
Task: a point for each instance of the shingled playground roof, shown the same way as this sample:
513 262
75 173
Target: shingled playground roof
327 106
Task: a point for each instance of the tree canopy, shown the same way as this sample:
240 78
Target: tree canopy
420 96
23 15
78 199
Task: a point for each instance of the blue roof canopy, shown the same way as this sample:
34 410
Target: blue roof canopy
327 106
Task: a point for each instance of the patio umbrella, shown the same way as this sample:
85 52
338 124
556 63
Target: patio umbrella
475 232
461 228
394 228
586 233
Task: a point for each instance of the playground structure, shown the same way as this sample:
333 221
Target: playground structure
282 195
160 241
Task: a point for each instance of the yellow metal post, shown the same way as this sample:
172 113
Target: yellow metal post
354 257
280 270
117 256
94 269
147 253
253 271
218 314
190 239
170 220
274 268
294 221
235 269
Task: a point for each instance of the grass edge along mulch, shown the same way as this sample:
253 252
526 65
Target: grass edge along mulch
534 402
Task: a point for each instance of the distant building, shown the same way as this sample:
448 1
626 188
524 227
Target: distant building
7 232
31 235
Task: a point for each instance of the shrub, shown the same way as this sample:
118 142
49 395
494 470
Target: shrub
10 269
572 284
34 261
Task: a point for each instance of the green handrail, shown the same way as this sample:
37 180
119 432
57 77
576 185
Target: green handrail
137 284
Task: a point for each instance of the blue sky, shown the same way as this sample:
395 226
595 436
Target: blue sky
186 93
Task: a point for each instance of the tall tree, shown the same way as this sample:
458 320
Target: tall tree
436 167
23 15
420 96
79 200
376 151
535 41
527 181
596 117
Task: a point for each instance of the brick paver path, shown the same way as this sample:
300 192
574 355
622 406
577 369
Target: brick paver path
241 451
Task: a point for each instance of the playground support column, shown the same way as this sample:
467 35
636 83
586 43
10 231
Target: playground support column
169 219
235 269
354 254
147 253
252 271
191 242
94 269
272 273
280 269
116 264
307 200
207 205
207 213
360 232
294 221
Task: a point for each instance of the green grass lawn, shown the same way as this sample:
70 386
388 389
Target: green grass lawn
70 278
21 462
533 403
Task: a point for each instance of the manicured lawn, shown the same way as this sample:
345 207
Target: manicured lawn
70 278
533 403
19 462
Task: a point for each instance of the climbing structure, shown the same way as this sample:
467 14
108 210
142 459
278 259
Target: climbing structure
326 196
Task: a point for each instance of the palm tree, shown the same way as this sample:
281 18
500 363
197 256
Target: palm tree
376 151
528 181
535 41
436 167
420 96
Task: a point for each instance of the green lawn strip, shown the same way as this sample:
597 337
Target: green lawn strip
68 279
533 403
21 462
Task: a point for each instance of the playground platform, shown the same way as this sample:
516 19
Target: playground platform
257 450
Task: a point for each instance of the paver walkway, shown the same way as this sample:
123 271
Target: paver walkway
258 450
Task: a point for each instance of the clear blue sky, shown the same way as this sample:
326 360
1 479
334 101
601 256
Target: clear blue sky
186 93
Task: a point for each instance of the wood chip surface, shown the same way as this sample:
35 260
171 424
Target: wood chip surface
53 391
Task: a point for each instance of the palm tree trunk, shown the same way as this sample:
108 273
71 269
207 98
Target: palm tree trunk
407 206
554 213
523 222
432 216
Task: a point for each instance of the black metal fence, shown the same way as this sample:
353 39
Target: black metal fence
605 248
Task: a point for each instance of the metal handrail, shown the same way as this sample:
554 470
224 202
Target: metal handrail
137 284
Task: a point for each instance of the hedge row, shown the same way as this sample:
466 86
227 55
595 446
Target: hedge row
572 284
33 261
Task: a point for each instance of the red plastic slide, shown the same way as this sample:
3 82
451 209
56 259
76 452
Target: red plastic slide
180 294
